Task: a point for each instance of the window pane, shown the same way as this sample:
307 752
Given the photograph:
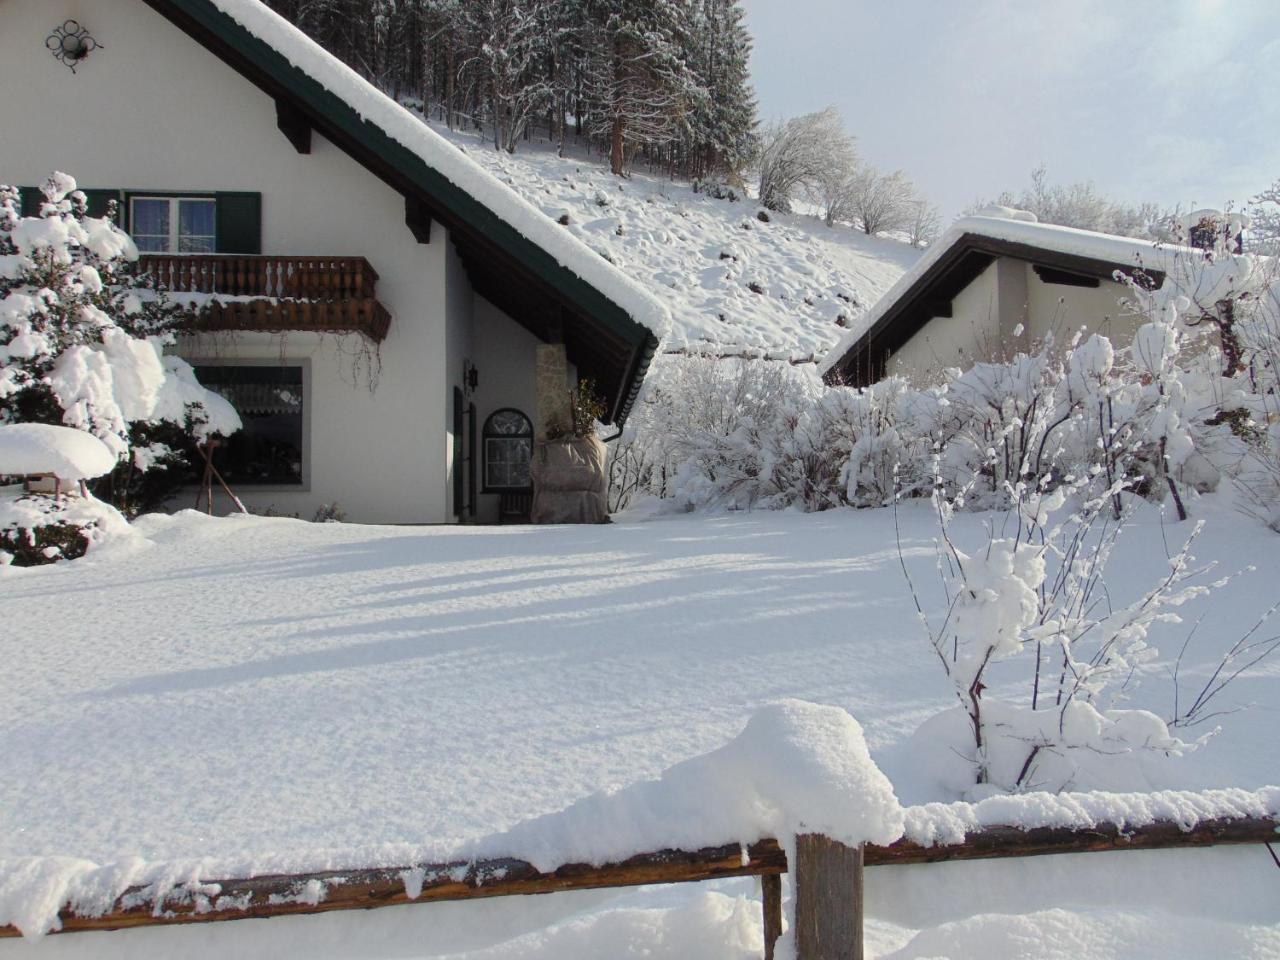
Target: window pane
510 422
190 244
195 217
270 401
150 218
151 244
507 462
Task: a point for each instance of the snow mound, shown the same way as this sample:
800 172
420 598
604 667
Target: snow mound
998 211
796 768
33 448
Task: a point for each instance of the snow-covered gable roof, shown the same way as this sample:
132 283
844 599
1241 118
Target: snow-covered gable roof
954 261
618 321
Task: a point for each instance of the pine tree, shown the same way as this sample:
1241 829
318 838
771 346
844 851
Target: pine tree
638 80
665 79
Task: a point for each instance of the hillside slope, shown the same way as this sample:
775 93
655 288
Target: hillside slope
735 285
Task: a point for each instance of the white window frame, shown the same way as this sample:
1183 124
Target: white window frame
174 219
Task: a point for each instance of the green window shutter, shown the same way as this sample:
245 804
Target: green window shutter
31 200
97 200
239 222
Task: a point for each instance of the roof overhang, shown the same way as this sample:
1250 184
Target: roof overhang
933 292
516 274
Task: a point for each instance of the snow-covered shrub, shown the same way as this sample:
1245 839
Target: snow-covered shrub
329 513
730 433
36 529
81 341
1033 596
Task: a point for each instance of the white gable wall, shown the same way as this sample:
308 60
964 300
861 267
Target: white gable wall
154 110
1063 310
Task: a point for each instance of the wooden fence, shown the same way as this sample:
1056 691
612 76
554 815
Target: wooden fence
828 879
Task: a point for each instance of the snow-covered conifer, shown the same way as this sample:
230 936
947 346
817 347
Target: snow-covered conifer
81 337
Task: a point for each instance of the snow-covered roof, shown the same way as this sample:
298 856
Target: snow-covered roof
1020 238
28 449
377 108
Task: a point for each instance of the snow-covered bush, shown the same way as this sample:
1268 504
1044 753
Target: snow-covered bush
730 433
37 529
1034 597
81 342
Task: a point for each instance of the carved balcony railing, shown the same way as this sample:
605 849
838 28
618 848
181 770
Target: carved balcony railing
274 293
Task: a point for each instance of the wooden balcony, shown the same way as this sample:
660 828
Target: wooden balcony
275 294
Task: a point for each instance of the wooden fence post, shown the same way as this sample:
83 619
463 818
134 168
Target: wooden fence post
771 896
828 879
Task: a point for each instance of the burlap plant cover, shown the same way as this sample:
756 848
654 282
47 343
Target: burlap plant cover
569 481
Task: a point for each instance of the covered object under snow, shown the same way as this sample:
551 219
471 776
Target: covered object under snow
33 449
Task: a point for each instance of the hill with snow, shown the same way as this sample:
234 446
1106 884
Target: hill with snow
783 288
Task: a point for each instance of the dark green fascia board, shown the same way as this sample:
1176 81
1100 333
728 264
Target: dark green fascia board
329 109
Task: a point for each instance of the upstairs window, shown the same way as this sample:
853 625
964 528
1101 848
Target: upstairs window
268 449
174 224
508 450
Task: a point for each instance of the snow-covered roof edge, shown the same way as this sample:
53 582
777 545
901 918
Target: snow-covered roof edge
396 122
1124 252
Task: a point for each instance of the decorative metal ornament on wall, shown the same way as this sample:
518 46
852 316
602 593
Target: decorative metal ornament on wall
70 43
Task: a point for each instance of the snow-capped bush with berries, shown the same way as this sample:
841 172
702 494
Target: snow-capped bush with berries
81 347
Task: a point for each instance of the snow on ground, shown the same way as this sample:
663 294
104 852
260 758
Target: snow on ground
270 694
702 256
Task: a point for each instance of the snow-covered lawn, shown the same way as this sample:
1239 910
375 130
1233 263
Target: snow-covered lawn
267 694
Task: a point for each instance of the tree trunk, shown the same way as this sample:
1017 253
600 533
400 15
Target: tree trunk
615 145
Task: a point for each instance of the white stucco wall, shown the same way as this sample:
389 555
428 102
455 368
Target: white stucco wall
152 110
1063 310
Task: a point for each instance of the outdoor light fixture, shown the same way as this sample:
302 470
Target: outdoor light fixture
70 43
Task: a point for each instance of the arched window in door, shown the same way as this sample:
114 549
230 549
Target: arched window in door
508 448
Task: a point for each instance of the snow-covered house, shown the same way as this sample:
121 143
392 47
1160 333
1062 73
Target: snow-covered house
993 286
394 325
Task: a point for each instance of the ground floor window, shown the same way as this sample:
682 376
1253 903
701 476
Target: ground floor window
268 449
508 450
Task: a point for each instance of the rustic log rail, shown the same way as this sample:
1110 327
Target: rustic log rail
277 277
828 881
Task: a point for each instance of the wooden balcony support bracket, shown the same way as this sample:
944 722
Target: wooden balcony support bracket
417 218
294 125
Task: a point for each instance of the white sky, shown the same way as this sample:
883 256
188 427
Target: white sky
1172 101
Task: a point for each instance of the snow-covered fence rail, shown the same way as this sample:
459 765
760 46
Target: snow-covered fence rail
828 874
